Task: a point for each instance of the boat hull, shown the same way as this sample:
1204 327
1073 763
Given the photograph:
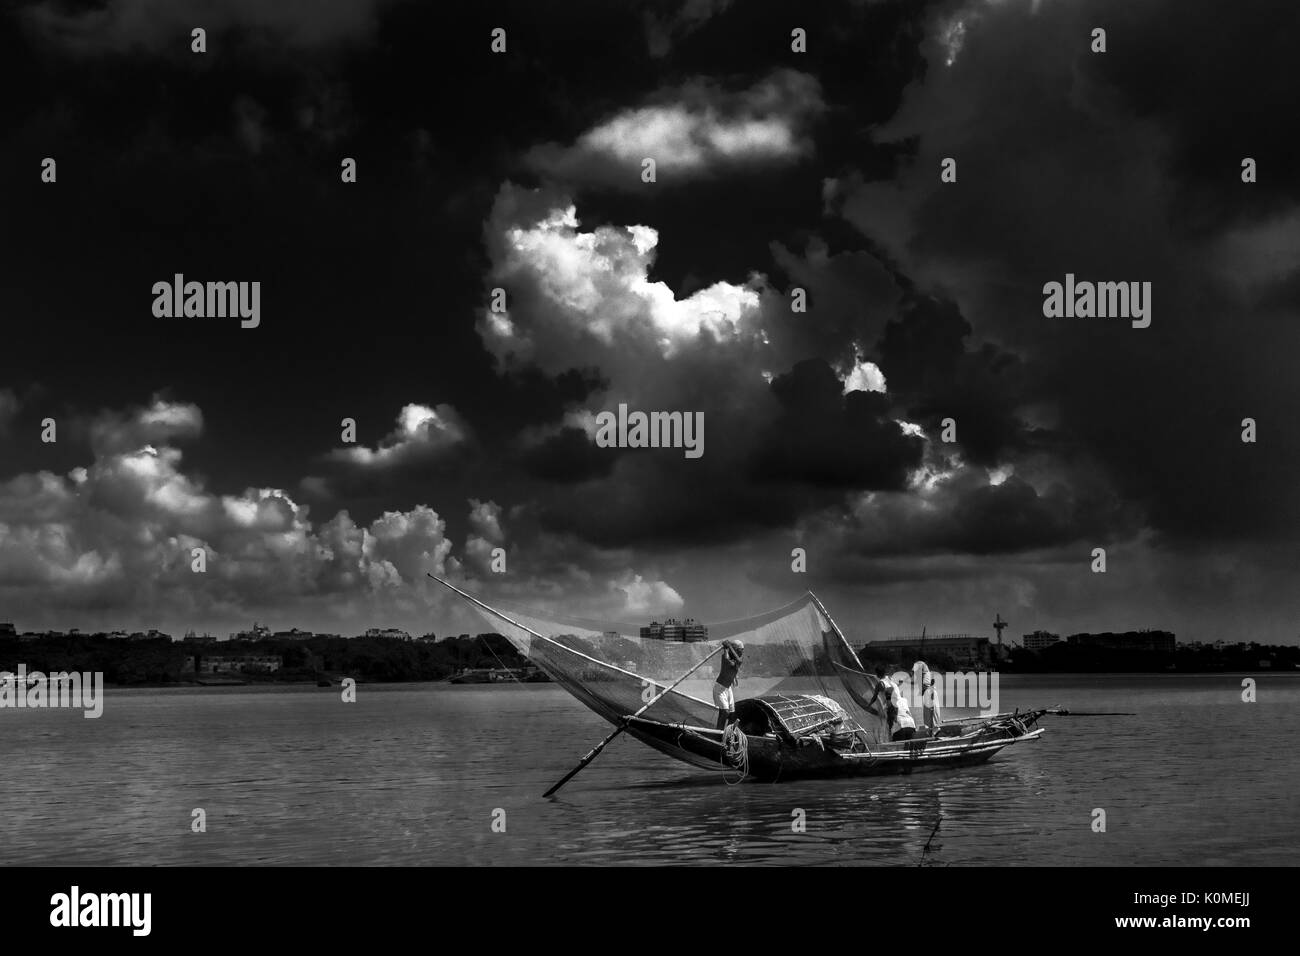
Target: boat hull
771 758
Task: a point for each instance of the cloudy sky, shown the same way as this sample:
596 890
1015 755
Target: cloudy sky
776 170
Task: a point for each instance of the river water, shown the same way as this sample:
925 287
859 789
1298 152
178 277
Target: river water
416 774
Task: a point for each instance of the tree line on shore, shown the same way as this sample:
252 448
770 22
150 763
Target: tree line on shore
385 659
164 661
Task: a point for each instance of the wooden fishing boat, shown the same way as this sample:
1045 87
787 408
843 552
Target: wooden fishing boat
804 736
784 733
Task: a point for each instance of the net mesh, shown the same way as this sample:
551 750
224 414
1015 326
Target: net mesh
615 669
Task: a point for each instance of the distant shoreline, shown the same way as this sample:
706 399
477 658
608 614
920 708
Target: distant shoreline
158 661
491 658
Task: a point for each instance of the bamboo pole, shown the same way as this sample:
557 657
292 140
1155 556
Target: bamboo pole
591 754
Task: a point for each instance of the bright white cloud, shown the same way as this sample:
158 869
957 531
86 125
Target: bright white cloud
421 431
648 597
160 422
864 377
118 534
696 129
485 520
579 296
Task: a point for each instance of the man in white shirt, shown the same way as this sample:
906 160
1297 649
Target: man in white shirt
903 726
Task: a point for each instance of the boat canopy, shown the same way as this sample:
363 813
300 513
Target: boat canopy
796 714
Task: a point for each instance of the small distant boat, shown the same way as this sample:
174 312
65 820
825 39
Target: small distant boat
490 675
473 676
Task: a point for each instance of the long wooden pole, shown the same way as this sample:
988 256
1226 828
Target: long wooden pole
591 755
843 640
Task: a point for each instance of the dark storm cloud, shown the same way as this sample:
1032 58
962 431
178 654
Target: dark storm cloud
933 375
825 437
429 446
851 295
643 507
9 406
1007 518
1219 88
663 27
162 27
1089 172
568 456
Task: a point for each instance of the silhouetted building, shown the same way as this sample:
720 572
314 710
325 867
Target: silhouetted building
259 632
964 649
7 629
693 630
689 630
1040 639
654 631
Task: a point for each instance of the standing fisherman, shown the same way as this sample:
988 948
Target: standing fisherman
724 691
924 684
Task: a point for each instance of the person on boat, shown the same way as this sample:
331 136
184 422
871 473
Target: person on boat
884 683
724 690
901 723
885 692
924 682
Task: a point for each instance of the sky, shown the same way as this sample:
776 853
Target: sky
776 170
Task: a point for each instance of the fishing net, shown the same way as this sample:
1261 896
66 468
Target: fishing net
615 670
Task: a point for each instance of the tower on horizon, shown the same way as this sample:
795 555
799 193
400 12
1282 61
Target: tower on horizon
998 625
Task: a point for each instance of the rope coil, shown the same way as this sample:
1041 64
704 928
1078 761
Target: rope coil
735 752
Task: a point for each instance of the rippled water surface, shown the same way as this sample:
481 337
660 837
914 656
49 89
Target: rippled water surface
412 774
